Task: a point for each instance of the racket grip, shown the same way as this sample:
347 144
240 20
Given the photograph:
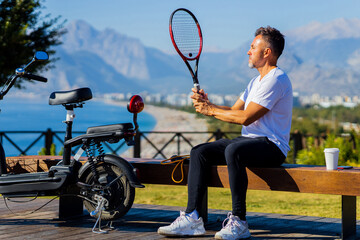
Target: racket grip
197 86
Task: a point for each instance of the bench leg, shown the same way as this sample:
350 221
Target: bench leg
348 206
204 207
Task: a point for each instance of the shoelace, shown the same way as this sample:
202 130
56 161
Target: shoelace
232 222
178 219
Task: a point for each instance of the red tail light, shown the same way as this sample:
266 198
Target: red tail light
136 104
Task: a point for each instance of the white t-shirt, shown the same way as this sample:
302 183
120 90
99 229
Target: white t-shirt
274 92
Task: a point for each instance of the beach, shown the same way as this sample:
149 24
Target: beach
170 120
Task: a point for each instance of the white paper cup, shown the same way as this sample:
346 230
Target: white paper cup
331 158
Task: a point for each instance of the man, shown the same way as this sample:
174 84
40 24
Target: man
265 111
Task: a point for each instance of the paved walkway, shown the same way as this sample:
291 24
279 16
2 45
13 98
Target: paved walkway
142 222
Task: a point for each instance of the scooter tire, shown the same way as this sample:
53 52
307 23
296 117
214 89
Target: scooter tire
122 193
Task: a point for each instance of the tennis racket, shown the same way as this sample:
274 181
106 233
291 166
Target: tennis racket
185 33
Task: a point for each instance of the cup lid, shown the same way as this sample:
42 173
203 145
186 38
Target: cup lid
331 150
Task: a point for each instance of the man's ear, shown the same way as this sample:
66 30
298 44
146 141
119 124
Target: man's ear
267 52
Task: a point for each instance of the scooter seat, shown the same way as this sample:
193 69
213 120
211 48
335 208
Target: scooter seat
121 127
72 96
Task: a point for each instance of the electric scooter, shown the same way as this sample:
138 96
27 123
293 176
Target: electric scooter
105 182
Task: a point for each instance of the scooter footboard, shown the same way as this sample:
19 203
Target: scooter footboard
32 182
124 165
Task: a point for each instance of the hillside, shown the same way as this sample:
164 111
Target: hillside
320 58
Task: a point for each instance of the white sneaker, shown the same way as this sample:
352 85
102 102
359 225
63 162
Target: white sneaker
183 226
234 229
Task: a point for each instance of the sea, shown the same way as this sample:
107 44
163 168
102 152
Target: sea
27 114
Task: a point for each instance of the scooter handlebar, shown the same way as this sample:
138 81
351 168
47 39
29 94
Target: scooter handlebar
35 77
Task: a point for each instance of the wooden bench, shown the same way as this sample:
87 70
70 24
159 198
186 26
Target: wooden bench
289 177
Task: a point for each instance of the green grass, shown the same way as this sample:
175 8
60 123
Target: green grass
305 204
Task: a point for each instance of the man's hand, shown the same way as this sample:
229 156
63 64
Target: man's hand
201 102
204 108
199 95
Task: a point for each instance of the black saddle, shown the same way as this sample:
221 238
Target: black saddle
70 97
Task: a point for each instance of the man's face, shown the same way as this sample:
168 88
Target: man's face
256 52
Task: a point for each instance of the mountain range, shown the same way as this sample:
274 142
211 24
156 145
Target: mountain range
319 58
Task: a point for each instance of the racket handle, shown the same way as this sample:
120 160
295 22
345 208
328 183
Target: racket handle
197 86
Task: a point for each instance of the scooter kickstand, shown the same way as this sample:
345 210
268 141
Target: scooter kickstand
110 225
100 207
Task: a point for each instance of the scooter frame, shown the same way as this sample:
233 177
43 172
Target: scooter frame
70 176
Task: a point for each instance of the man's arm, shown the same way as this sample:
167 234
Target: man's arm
245 117
235 114
239 105
201 96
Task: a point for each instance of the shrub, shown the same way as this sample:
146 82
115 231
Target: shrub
349 150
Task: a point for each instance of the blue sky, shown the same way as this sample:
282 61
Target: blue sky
226 24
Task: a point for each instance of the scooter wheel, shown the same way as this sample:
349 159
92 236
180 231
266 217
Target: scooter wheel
120 194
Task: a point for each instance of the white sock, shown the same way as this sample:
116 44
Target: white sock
194 215
243 222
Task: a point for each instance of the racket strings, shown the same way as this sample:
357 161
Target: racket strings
186 34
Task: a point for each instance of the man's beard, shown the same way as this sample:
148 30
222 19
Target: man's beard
251 65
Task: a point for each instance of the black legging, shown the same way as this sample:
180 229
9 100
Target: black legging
238 154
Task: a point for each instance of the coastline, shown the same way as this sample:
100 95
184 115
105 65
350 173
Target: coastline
169 120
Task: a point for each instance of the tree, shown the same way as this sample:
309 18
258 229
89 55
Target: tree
22 32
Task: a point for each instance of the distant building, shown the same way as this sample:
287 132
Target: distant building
183 99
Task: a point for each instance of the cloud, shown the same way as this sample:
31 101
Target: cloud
337 29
